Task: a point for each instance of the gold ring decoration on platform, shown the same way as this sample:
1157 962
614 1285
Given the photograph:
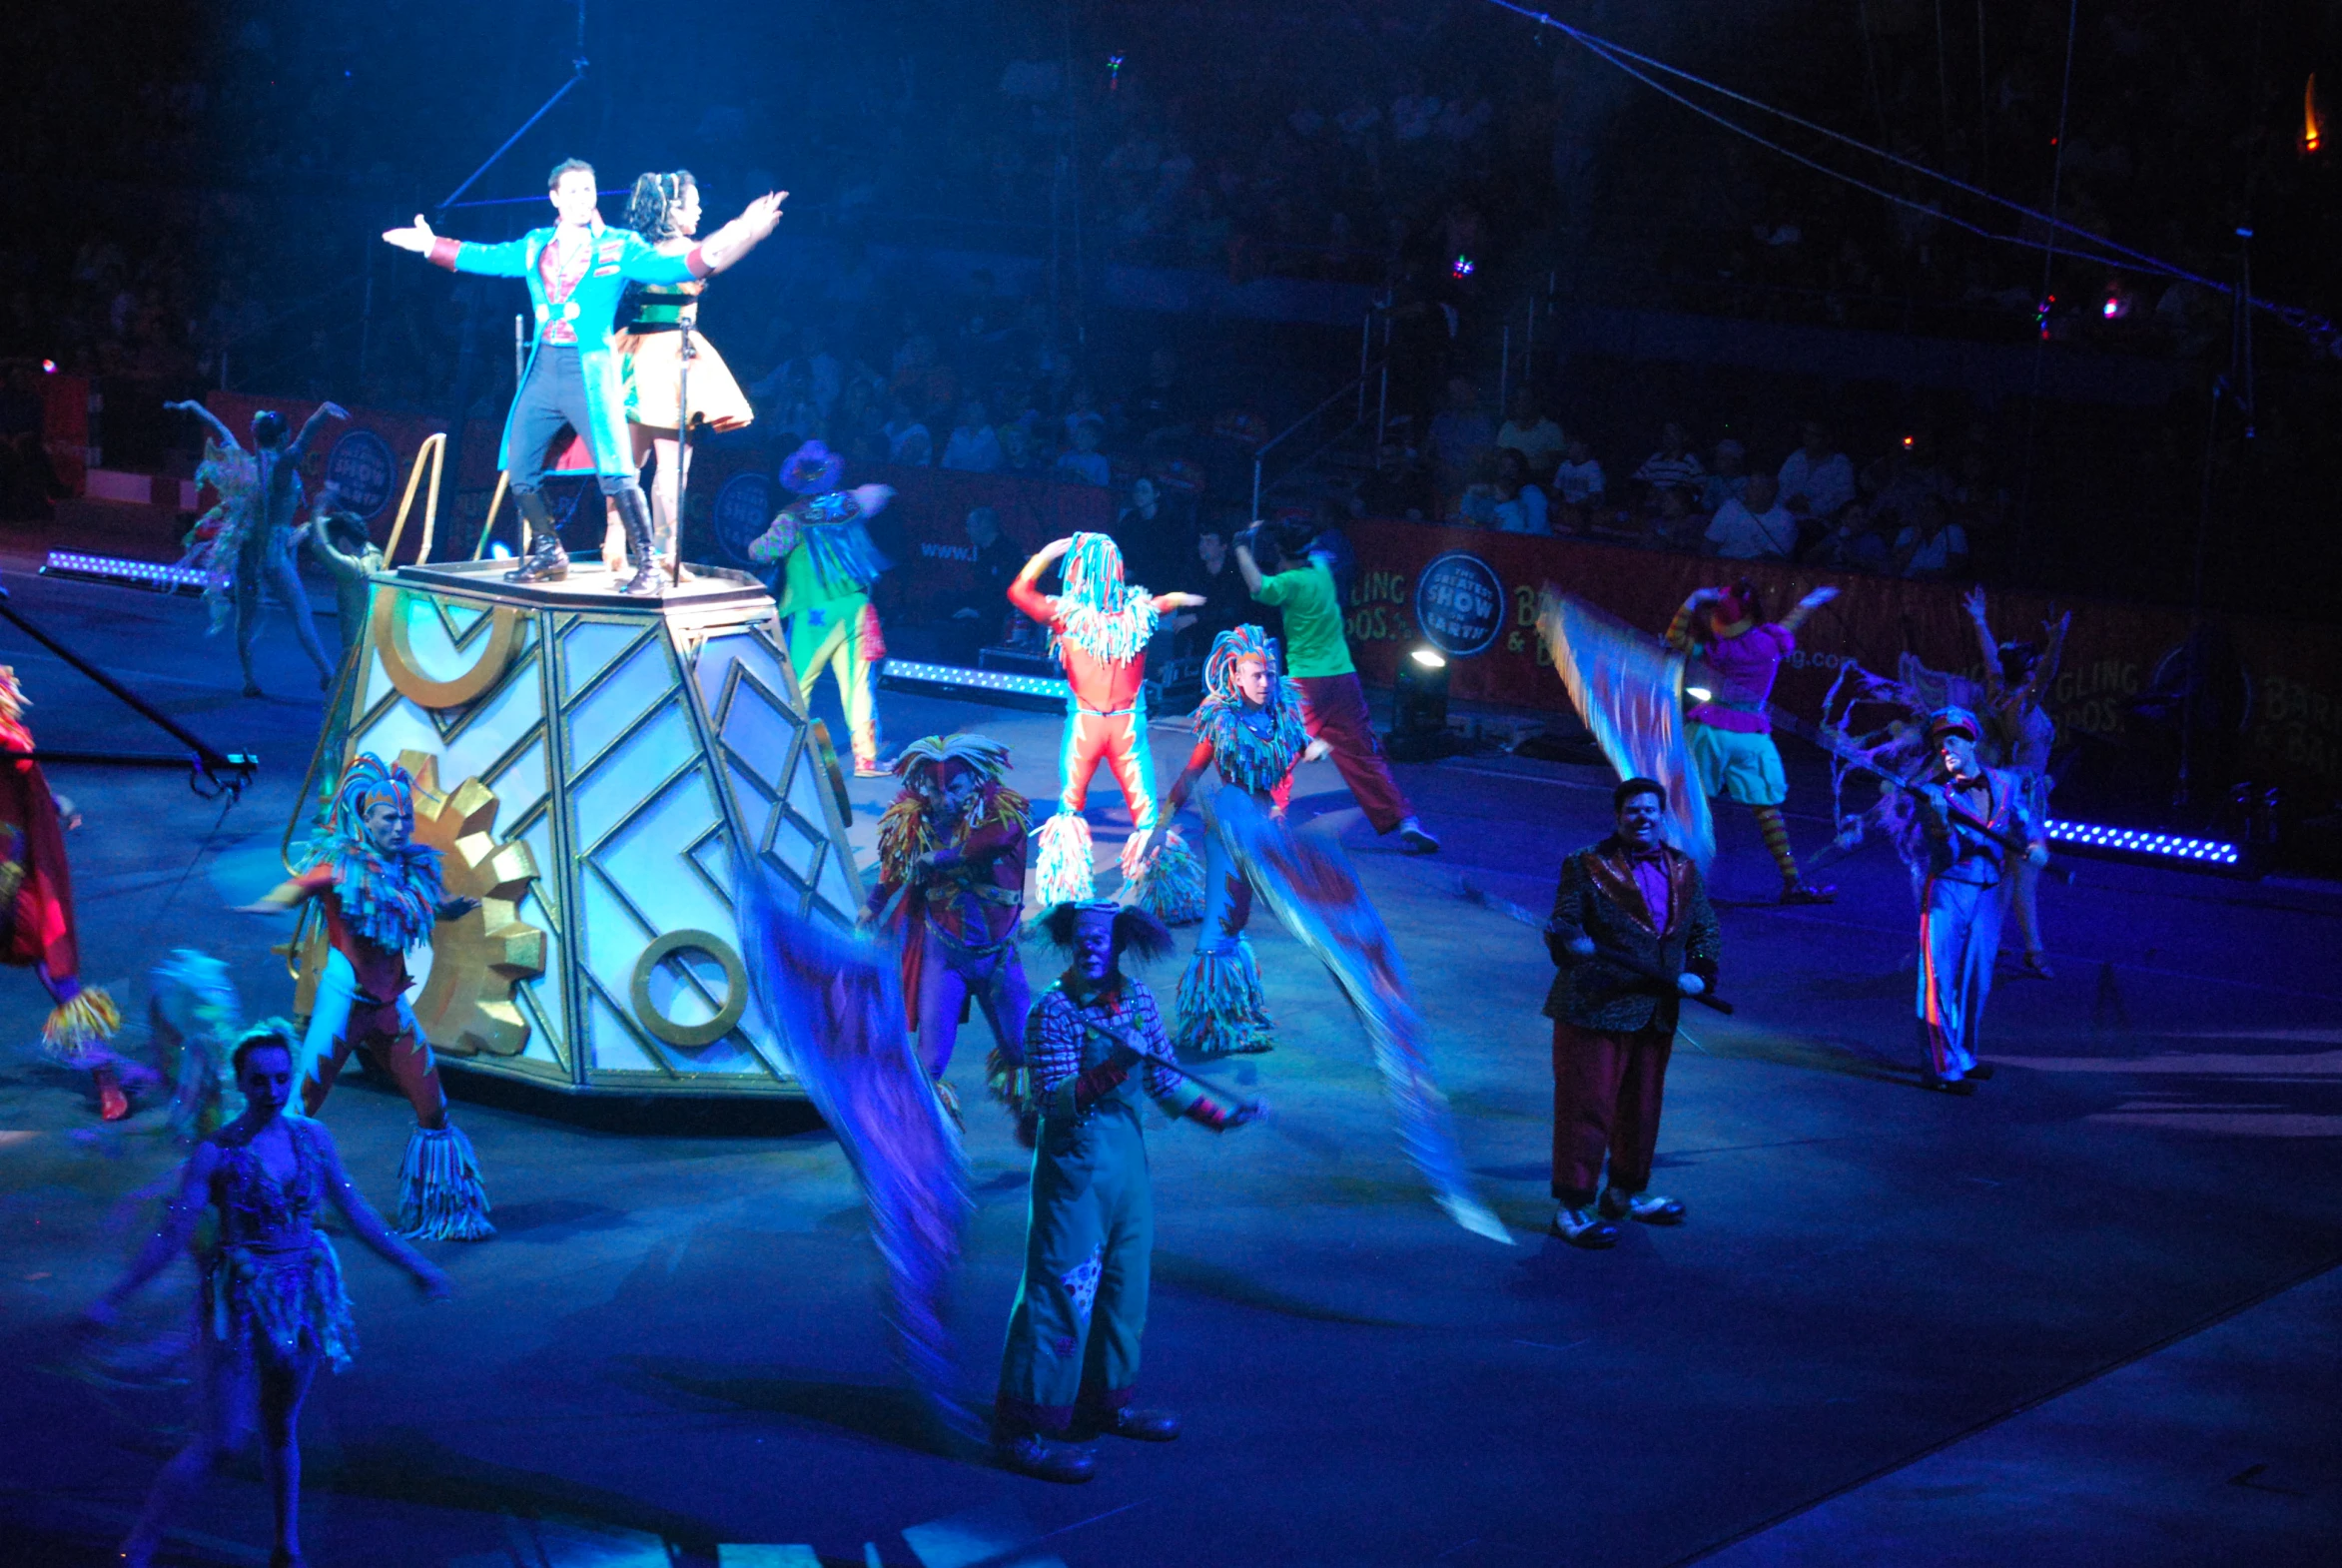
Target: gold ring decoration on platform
691 1036
396 651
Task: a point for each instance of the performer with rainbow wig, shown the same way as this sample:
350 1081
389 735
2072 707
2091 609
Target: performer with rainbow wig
1249 727
36 910
827 566
951 879
381 894
1099 628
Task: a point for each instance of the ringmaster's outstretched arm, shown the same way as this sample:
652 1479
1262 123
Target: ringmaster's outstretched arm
642 261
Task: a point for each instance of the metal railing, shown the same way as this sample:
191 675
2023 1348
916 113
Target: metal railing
1373 384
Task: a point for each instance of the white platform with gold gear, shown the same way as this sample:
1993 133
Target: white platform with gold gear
592 767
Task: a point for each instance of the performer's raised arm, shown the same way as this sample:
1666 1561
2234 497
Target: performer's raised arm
1805 607
508 260
325 410
226 435
1027 597
1683 631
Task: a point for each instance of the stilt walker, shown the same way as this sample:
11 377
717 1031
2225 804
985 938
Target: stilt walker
1967 821
36 901
1249 727
1071 1357
1731 738
951 884
380 895
826 565
1099 628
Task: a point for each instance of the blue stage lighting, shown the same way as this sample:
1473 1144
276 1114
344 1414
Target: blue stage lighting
898 673
2139 841
139 573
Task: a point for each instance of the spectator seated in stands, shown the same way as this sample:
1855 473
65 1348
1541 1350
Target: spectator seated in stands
1086 462
1477 507
1520 504
973 446
1851 543
1214 579
1754 527
1672 466
1148 534
1816 479
1534 435
1159 411
1730 480
1930 544
1577 484
909 442
1671 524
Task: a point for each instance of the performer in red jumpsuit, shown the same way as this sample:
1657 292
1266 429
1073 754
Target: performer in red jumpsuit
1100 627
36 907
381 894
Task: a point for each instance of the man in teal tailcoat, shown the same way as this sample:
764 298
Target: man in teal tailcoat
576 272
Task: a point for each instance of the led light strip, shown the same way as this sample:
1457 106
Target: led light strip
2136 841
975 680
152 573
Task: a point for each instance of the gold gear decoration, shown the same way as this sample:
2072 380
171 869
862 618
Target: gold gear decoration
467 1005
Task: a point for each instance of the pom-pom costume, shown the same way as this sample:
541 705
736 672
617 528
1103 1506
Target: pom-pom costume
1099 628
379 902
196 1016
1254 748
826 565
1958 843
36 903
271 1311
951 881
1073 1348
1729 734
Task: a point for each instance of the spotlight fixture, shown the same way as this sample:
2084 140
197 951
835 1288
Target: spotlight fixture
1418 707
1462 266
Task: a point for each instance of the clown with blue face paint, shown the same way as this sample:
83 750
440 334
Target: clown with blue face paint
382 896
1099 628
826 565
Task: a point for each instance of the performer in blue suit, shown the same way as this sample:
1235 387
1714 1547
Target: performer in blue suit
576 272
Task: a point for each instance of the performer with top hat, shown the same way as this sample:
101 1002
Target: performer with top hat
664 362
1731 738
1099 628
382 896
1249 728
1094 1043
951 879
36 903
1966 822
827 563
576 272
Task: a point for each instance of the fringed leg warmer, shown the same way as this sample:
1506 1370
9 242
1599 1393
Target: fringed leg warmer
1062 873
440 1195
1171 887
76 1032
1222 1009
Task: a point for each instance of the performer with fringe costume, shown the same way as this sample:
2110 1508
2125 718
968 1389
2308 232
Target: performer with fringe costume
381 894
1967 817
1073 1336
255 544
271 1309
1731 737
827 565
836 1000
1249 727
36 900
951 884
195 1018
1099 628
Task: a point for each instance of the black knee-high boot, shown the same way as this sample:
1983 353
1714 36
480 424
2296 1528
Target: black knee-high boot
544 560
634 512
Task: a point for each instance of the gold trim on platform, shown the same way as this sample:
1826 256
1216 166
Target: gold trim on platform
691 1036
396 651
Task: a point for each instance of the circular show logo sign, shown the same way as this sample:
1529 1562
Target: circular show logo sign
361 471
1461 604
744 510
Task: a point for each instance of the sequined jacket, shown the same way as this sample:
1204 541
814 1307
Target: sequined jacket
1598 898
